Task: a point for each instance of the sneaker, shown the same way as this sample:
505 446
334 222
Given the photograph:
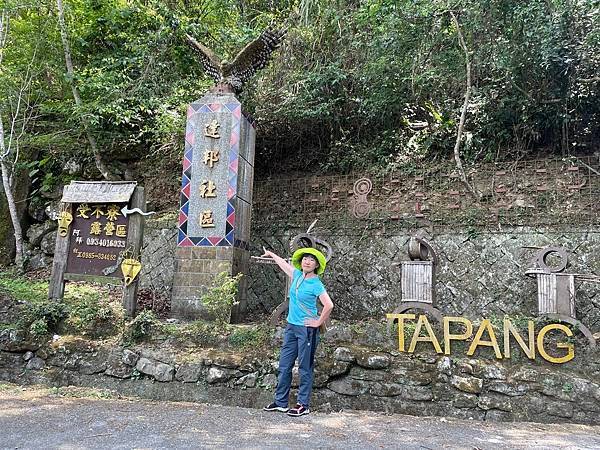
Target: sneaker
299 410
273 407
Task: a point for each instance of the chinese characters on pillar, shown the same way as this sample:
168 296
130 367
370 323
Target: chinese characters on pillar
211 129
211 157
206 219
208 189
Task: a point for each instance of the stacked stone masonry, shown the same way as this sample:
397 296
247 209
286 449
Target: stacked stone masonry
480 274
195 270
353 371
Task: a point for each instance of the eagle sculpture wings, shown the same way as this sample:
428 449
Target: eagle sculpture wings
231 77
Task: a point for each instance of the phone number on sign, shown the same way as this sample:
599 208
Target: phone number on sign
105 242
95 255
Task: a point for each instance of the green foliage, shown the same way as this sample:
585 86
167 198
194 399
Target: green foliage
43 317
141 326
90 315
249 337
85 308
220 298
24 289
7 326
567 387
39 173
370 84
380 83
202 333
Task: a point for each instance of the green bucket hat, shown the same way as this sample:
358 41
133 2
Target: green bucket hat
298 254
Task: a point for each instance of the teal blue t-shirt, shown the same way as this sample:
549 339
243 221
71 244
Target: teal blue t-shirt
303 292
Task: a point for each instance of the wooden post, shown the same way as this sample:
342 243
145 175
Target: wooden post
59 264
134 241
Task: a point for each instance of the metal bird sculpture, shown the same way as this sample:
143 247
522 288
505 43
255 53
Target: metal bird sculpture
231 77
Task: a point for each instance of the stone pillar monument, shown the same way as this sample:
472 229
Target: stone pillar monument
215 201
218 171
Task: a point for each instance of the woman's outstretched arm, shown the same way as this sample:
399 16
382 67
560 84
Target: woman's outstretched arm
282 263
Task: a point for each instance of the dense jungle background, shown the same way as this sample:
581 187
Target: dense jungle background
373 84
357 83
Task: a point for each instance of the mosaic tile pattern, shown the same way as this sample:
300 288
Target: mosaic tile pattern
231 108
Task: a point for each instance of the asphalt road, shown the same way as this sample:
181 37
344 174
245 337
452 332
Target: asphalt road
32 418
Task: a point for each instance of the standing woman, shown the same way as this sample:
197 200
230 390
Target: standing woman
301 335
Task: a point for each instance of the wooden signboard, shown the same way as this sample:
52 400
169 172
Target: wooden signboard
97 237
103 230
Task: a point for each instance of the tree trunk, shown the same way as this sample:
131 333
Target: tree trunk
100 163
463 114
12 207
6 175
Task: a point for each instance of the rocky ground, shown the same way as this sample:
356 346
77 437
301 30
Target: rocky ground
75 418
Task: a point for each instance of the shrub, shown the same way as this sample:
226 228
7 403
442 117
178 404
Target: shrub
140 327
94 316
220 298
249 337
203 333
43 317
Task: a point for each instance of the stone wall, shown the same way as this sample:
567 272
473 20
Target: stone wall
158 255
356 368
481 274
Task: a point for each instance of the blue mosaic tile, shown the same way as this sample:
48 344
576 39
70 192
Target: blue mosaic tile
233 182
185 208
184 180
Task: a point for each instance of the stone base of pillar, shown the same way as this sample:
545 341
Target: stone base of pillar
195 271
